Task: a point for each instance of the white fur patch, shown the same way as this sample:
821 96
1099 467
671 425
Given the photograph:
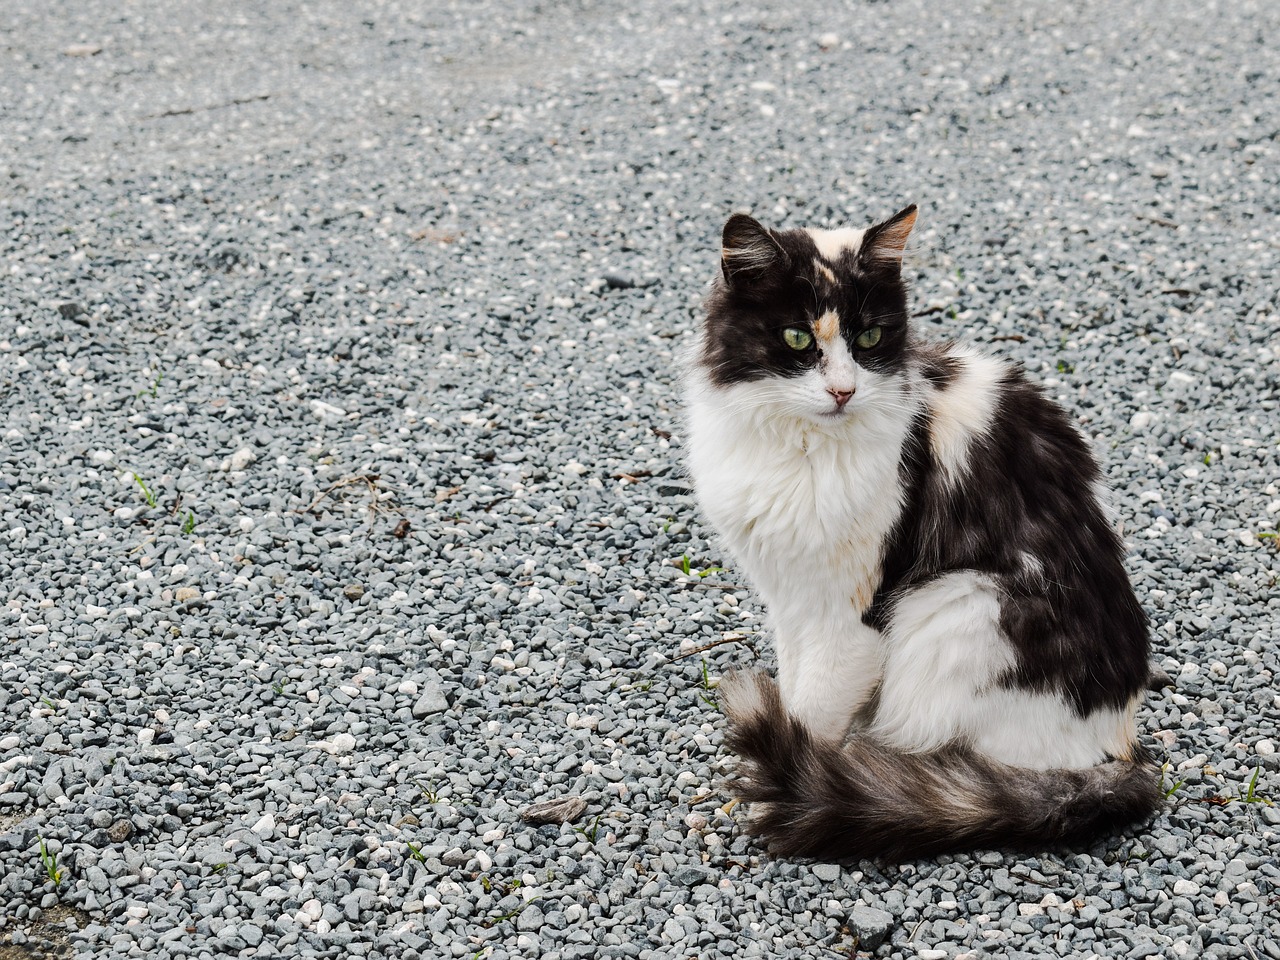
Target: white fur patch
945 654
823 270
832 244
804 498
739 694
963 410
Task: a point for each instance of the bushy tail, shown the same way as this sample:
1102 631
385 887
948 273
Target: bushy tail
865 800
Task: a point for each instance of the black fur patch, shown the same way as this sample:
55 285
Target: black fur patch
1075 624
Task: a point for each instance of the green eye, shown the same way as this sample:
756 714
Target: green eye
797 339
868 338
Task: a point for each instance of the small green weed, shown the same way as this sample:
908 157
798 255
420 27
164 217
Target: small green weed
1169 791
50 863
1064 367
708 686
686 567
503 887
147 492
189 524
432 794
428 790
590 833
155 386
1251 794
509 915
415 852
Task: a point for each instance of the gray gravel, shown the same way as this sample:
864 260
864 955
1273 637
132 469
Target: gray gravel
381 306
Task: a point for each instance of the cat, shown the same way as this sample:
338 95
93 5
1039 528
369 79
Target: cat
928 533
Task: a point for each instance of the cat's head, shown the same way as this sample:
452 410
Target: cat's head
813 323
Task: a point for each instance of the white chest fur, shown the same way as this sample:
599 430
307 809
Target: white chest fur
805 510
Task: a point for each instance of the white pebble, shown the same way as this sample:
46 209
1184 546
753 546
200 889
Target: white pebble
324 410
1183 887
1264 748
265 826
341 743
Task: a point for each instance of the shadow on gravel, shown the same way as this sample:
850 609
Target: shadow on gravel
49 938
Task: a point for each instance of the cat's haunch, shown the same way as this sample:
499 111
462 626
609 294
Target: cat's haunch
928 532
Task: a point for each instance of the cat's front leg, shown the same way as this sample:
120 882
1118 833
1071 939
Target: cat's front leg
827 672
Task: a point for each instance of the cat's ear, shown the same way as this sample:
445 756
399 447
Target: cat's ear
882 245
749 252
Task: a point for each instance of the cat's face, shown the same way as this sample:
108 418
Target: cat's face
810 323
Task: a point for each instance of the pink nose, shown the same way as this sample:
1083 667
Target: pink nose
841 396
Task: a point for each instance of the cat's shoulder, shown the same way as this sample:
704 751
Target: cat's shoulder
962 384
972 398
954 372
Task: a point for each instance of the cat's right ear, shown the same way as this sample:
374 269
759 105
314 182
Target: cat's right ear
749 253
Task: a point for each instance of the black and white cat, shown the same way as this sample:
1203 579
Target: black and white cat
926 530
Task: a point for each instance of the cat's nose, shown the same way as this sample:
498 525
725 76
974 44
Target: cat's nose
841 396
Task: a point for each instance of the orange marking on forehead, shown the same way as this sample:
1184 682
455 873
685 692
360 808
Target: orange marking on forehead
827 328
823 270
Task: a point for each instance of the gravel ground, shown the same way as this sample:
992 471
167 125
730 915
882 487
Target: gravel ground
342 508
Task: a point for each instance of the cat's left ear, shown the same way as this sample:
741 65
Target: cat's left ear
749 252
882 245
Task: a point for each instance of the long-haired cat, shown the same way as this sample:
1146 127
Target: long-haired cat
924 526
